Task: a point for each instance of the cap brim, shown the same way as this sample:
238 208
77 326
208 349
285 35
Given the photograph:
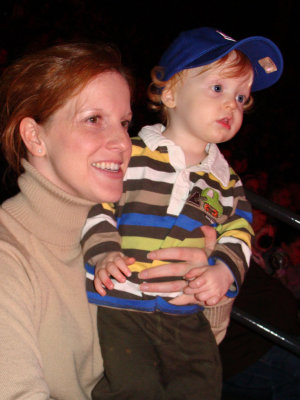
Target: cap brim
256 48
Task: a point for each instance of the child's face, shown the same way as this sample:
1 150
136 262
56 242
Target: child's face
208 107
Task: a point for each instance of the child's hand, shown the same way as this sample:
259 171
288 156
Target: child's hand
210 283
114 264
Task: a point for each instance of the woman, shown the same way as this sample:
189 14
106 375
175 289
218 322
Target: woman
66 111
64 118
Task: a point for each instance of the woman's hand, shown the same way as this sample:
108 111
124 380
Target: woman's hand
191 258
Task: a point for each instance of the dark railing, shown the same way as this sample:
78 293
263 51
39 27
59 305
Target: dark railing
290 342
273 210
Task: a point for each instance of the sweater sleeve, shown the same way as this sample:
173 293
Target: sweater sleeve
21 366
234 239
100 234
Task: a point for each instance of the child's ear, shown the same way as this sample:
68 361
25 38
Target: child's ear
168 96
30 132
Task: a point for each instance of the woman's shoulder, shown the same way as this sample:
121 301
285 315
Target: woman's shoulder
18 276
12 250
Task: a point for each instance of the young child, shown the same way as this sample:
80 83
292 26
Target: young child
178 181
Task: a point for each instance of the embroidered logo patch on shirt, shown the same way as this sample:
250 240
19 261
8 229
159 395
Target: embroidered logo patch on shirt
208 202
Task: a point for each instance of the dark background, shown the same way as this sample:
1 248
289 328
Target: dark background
142 30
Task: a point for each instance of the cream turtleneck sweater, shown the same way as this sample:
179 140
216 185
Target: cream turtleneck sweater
48 336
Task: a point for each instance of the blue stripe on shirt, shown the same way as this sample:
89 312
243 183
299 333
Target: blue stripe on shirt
244 214
182 221
187 223
146 220
152 305
89 268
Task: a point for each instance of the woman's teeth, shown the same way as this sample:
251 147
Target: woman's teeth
110 166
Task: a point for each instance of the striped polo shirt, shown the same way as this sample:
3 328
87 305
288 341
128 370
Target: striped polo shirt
164 204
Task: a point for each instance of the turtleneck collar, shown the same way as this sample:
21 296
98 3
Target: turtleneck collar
51 214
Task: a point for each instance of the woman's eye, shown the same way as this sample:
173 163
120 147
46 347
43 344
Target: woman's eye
241 99
126 124
93 119
217 88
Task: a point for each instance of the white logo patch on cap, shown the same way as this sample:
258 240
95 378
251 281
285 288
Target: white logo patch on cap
226 37
267 64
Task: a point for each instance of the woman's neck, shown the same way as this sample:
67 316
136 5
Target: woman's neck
48 212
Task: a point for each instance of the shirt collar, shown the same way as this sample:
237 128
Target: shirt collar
214 163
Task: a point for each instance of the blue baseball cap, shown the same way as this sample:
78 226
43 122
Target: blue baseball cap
203 46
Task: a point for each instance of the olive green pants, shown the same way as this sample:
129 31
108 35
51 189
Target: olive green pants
156 356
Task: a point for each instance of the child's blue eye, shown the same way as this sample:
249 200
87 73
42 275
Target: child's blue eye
217 88
241 98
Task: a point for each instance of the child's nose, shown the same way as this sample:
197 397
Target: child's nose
230 103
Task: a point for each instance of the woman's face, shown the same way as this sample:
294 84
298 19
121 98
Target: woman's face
87 146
